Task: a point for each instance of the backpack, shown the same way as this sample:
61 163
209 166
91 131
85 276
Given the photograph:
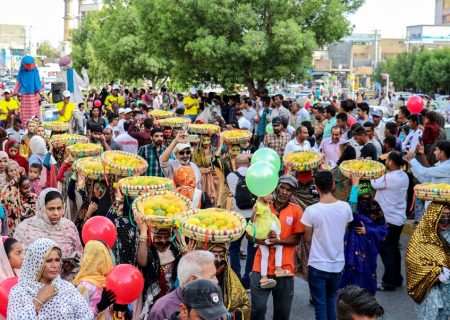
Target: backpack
244 198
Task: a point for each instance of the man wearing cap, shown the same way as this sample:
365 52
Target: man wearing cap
182 151
65 107
291 230
202 299
7 106
114 97
278 139
191 105
377 117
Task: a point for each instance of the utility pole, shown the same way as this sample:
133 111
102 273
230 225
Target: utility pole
377 49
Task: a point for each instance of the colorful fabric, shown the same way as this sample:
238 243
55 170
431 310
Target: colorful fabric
21 297
29 106
17 205
64 233
29 80
361 250
185 182
151 155
427 254
95 265
18 158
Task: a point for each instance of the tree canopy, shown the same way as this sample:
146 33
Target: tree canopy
47 50
420 70
210 41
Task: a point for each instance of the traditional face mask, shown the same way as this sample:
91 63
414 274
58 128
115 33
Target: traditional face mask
220 265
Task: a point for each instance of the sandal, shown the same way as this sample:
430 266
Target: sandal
270 284
385 287
283 274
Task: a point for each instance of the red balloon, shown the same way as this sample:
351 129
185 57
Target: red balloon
307 104
126 281
97 103
5 288
415 104
99 228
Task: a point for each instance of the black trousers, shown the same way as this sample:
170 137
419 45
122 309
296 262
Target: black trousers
282 295
390 255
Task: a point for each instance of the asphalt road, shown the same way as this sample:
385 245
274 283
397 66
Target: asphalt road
397 304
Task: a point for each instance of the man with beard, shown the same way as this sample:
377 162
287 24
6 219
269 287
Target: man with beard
278 139
291 231
158 263
234 295
151 153
182 151
167 133
96 136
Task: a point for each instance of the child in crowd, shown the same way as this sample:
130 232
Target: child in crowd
263 222
34 174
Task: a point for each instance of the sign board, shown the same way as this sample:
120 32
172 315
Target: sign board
428 34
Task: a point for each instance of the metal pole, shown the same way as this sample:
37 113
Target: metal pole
387 86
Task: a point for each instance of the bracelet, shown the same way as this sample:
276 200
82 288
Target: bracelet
143 239
38 301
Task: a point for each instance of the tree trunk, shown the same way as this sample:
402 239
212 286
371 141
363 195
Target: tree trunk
251 87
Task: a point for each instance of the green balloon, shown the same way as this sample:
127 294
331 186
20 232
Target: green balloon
269 129
261 178
267 155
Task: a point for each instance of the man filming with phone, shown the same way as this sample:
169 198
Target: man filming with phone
182 151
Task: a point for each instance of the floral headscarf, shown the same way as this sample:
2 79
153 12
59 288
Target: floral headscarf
185 182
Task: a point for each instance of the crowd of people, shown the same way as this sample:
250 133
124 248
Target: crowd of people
330 231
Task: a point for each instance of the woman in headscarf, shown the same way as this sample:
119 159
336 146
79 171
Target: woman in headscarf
343 184
203 156
49 222
17 198
25 142
12 148
41 293
428 264
158 260
96 202
28 85
11 258
3 138
363 238
185 184
39 154
3 164
90 281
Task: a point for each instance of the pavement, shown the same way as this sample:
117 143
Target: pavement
397 304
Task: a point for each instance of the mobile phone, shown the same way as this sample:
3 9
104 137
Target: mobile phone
192 138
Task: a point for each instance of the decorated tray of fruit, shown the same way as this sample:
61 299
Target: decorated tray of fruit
176 122
90 167
366 169
236 136
81 150
208 129
303 160
433 191
161 114
161 208
56 126
67 139
212 225
135 186
123 163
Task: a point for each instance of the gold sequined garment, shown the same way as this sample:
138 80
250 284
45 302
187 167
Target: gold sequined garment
426 254
235 297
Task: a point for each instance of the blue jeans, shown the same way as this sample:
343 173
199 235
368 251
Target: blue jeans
324 287
192 117
235 260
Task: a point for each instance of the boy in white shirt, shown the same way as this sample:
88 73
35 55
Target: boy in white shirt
325 224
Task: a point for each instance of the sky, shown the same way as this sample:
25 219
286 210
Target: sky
389 16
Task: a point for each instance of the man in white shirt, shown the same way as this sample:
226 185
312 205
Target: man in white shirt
377 117
325 224
370 130
414 135
249 113
300 142
330 146
298 113
243 122
391 195
242 164
127 142
278 109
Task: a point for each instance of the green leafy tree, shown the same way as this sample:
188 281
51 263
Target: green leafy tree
47 50
247 41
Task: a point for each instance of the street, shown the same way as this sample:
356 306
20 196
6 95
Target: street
397 304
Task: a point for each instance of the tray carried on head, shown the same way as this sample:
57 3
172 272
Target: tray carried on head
433 192
67 139
124 164
81 150
364 168
56 126
208 129
175 122
236 136
135 186
303 160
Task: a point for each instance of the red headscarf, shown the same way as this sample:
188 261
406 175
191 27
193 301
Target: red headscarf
18 158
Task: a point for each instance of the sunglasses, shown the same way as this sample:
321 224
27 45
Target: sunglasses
444 220
182 153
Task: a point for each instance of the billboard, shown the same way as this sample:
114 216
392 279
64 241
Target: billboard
428 34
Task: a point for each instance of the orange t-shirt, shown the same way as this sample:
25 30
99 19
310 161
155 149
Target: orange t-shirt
290 224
